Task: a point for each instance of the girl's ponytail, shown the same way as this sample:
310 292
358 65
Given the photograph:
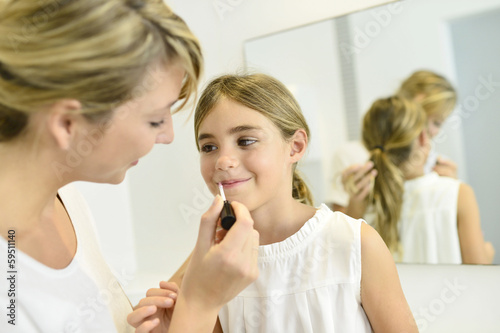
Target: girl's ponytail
300 190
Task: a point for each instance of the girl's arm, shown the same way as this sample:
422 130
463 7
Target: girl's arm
381 294
472 245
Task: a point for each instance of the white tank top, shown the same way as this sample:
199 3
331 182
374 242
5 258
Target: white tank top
82 297
310 282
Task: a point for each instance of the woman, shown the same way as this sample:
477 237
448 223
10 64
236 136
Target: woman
86 89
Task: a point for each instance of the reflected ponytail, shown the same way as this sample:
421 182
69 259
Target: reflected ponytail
390 128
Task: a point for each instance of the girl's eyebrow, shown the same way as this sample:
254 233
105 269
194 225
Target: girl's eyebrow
233 130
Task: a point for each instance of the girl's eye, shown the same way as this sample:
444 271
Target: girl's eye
208 148
438 123
156 124
246 142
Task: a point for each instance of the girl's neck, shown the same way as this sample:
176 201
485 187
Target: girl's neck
414 167
279 219
414 173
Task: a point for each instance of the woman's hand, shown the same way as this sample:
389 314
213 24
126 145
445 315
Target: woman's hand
154 312
218 269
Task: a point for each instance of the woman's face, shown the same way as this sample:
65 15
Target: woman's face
133 129
245 151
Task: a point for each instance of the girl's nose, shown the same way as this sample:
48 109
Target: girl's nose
225 162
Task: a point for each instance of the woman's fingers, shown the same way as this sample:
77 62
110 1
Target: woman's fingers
147 326
241 229
139 314
159 301
208 225
172 287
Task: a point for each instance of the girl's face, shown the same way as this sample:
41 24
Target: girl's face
134 127
245 151
434 124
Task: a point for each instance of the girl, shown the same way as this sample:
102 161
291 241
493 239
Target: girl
423 218
319 271
86 89
354 176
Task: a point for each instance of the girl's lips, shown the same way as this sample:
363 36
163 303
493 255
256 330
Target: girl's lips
135 163
233 183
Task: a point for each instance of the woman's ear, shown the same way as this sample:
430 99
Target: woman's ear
63 120
298 145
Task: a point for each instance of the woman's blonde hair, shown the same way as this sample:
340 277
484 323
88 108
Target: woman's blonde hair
267 96
390 129
435 94
91 50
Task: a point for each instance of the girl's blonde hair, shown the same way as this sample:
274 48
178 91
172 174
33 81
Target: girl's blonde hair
390 129
267 96
432 91
95 51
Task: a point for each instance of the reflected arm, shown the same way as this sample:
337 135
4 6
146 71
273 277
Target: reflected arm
472 245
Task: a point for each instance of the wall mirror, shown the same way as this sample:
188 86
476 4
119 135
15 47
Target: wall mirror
336 68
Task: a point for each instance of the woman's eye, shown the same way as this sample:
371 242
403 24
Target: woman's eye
246 142
208 148
156 124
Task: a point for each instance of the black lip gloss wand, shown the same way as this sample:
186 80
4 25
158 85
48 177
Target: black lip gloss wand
227 217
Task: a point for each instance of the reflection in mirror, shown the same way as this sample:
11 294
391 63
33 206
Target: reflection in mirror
337 68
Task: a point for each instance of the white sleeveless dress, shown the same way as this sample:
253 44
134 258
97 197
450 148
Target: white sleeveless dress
428 225
310 282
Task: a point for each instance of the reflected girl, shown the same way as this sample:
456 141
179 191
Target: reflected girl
422 217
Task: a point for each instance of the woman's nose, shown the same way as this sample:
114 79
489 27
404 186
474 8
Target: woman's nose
166 135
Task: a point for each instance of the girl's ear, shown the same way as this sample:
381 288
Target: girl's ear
63 121
298 145
423 138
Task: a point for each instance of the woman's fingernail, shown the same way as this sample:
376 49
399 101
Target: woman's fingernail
172 295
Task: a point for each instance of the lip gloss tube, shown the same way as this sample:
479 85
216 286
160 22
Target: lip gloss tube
227 217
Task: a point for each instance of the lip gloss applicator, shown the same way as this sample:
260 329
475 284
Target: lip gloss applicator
227 217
